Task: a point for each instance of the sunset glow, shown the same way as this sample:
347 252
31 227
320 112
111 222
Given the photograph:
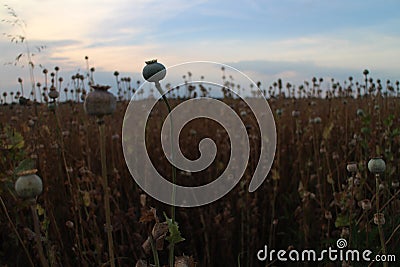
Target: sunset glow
292 40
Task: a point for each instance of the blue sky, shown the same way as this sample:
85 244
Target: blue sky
290 39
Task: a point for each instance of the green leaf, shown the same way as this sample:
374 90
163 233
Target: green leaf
389 120
14 139
174 236
366 119
342 221
40 210
366 130
395 132
327 131
25 165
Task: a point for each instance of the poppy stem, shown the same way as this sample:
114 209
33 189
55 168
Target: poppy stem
106 192
171 247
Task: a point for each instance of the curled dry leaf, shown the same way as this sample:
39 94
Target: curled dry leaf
159 233
149 216
147 246
159 230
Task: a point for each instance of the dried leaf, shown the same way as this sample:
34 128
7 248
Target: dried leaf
148 216
147 245
275 174
40 209
159 230
86 198
329 179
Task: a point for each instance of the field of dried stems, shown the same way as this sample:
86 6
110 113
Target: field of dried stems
312 195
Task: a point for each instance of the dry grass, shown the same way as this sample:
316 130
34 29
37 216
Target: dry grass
307 190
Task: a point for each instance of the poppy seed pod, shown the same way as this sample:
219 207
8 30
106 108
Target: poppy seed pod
317 120
379 218
154 71
184 261
352 167
360 112
53 94
376 165
365 204
328 215
295 113
28 184
100 102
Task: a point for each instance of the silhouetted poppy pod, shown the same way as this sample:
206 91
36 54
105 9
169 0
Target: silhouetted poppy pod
100 102
53 94
23 101
154 71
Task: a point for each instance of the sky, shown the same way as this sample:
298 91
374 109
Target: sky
290 39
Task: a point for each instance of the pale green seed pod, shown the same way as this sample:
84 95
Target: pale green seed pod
376 165
28 185
154 71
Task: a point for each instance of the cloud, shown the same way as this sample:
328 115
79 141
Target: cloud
115 33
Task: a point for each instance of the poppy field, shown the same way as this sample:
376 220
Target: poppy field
335 175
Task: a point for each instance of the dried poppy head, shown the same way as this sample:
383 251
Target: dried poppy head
352 167
379 218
